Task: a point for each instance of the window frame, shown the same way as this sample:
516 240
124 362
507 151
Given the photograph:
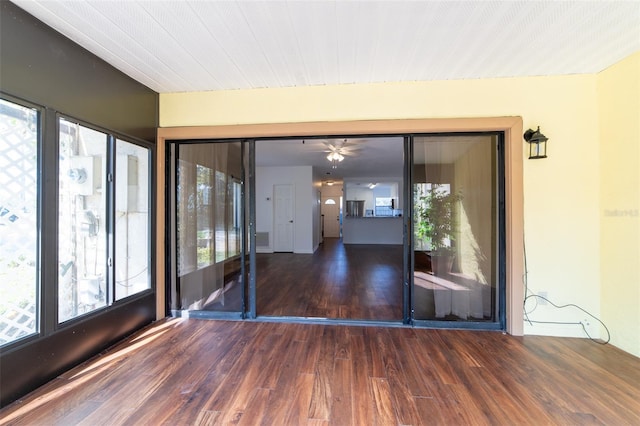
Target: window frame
109 189
40 311
111 302
57 346
150 212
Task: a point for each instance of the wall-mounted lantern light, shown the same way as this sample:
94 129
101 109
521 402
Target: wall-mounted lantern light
537 143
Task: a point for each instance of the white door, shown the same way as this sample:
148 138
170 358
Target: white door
283 218
331 211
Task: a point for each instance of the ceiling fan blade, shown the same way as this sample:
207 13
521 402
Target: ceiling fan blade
339 146
339 143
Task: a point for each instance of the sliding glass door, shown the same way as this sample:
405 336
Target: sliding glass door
456 228
450 240
207 228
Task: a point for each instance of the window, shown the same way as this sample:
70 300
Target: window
88 227
132 264
19 284
82 220
384 206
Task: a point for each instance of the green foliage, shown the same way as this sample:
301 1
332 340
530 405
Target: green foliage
204 256
434 217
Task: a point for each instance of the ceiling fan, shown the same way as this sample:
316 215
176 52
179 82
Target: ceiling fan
338 149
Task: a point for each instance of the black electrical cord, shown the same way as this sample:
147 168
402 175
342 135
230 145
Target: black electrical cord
527 297
568 305
122 282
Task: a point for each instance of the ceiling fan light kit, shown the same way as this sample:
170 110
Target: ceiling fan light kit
335 157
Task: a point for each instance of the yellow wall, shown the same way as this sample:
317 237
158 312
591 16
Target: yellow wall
562 214
619 102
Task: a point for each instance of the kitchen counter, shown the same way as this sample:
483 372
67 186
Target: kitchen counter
372 230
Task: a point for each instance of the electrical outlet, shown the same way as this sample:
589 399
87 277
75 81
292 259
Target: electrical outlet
543 294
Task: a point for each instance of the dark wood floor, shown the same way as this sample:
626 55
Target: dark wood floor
189 371
361 282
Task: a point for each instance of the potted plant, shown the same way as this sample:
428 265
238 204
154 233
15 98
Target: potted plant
435 224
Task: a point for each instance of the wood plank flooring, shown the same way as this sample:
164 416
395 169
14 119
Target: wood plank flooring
360 282
189 371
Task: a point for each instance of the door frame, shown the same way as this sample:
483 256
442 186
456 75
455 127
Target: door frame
513 179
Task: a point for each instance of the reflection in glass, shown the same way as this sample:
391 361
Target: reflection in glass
204 190
208 223
18 221
234 222
455 228
82 256
132 272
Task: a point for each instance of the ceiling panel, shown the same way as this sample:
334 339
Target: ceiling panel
198 45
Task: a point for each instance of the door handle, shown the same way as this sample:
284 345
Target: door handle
291 221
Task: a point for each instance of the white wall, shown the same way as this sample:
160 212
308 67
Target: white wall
304 201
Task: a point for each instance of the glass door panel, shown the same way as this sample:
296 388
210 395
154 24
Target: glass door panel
208 227
455 249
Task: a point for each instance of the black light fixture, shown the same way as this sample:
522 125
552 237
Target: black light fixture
537 143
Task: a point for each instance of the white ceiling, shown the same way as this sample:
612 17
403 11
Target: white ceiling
370 157
178 46
201 45
364 158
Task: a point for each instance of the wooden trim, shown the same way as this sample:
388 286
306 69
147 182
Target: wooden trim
514 205
161 209
511 126
338 128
